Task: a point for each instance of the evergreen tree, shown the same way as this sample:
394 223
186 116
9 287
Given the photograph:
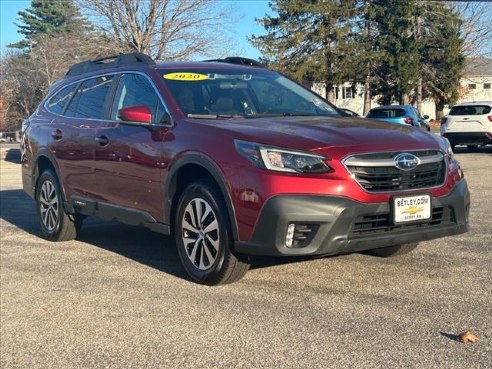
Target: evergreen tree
367 55
309 40
399 69
49 17
442 59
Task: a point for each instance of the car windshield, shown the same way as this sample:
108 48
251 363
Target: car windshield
229 94
470 110
386 113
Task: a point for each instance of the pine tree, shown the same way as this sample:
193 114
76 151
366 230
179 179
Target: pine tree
442 59
399 69
49 17
309 40
366 56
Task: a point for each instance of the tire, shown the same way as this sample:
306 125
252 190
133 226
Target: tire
56 225
472 147
390 251
205 245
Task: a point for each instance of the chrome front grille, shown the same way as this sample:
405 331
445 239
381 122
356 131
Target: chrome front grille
377 172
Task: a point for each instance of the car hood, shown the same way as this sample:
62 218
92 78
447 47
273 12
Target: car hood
313 133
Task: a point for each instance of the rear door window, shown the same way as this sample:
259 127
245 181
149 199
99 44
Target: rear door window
470 110
386 113
135 90
89 102
57 103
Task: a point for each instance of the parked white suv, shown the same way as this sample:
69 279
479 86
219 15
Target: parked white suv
468 124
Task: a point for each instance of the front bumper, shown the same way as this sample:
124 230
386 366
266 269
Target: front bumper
342 225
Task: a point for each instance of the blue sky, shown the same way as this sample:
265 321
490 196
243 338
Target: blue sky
247 11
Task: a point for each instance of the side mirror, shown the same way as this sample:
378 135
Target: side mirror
138 113
425 117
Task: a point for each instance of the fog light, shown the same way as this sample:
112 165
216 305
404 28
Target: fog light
289 238
300 234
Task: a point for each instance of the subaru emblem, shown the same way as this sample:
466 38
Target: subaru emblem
406 161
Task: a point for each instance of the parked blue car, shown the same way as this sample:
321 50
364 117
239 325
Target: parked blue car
399 114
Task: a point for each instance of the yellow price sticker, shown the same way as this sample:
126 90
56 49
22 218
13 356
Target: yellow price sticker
184 76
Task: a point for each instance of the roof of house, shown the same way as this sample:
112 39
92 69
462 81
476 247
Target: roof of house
478 67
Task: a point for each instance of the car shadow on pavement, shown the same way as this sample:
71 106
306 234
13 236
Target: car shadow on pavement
137 243
18 209
153 249
13 156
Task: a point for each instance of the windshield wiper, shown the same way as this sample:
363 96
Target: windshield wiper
284 114
214 116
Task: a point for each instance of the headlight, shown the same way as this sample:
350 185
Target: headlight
281 160
448 149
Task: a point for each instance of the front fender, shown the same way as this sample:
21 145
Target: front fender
213 169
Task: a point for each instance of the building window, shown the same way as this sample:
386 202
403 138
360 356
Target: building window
472 86
347 93
486 86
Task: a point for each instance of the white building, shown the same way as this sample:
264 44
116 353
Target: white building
475 86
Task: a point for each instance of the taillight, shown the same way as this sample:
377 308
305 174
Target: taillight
408 120
443 120
489 118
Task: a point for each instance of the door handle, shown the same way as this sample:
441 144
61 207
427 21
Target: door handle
57 134
103 140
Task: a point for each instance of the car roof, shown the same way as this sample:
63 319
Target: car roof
486 102
137 61
391 107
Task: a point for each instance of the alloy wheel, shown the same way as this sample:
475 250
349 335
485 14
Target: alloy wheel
200 233
49 205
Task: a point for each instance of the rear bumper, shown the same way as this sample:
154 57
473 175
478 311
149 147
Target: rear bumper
342 225
469 138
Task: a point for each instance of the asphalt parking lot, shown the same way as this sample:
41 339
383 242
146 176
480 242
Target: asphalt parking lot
118 298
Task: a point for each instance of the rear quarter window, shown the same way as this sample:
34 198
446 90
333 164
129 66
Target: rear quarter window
57 103
386 113
90 99
470 110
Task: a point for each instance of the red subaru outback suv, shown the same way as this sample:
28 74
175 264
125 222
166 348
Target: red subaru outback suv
233 160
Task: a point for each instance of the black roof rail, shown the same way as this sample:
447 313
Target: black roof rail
109 62
238 60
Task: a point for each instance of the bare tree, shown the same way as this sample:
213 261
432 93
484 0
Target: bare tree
476 28
23 86
164 29
6 98
26 77
52 56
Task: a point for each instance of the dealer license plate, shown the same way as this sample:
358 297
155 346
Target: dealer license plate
411 208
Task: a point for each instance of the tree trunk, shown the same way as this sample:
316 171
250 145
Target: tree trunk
419 95
439 109
367 96
419 80
367 83
405 99
329 92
